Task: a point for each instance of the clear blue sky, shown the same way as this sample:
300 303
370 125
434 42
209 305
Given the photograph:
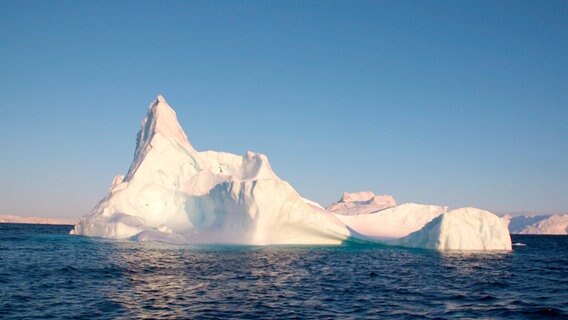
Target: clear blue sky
460 103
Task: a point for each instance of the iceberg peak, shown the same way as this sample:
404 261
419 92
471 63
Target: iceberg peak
163 119
159 127
160 98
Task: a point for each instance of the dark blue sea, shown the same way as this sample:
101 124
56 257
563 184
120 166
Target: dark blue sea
47 274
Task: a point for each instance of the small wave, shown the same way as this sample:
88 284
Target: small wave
94 278
195 287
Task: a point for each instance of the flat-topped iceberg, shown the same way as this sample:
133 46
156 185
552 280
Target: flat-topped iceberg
173 193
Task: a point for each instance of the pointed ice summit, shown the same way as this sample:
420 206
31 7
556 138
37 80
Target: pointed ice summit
173 193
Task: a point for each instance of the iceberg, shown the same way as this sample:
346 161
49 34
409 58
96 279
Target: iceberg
174 193
462 229
430 227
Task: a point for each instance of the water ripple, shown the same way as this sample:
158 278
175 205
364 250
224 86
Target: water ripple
47 274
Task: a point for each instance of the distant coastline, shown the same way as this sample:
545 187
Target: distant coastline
35 220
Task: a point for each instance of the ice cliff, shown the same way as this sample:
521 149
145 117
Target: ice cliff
174 193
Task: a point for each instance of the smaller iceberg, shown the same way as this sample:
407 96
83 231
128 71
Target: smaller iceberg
424 226
462 229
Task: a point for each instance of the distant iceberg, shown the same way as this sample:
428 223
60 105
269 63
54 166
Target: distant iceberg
173 193
357 203
539 224
35 220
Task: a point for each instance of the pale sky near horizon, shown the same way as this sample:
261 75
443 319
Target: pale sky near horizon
458 103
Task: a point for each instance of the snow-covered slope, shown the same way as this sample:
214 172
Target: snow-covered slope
361 203
35 220
546 224
462 229
173 192
395 222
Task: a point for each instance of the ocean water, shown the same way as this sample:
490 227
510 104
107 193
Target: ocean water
47 274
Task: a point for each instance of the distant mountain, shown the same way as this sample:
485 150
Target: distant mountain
35 220
543 224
